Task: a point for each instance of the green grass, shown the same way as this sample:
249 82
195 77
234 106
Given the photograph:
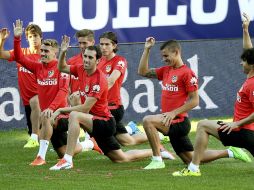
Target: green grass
94 171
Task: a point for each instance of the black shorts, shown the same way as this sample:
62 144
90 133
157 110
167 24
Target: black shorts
103 132
118 115
178 135
59 136
28 120
243 139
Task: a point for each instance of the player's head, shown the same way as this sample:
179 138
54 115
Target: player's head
33 35
85 38
171 52
247 62
49 50
90 57
108 43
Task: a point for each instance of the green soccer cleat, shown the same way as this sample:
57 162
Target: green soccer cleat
31 143
240 154
186 172
154 164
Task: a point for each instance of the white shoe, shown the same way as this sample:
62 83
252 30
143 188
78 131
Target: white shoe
62 165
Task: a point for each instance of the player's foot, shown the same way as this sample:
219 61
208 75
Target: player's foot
62 165
154 164
134 127
96 147
31 143
38 162
240 154
186 172
166 154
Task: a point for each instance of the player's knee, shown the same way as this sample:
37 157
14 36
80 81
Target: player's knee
201 125
147 120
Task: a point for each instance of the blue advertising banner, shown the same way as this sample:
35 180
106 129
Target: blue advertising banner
215 62
132 20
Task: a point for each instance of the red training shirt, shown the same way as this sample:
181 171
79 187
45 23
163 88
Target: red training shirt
52 84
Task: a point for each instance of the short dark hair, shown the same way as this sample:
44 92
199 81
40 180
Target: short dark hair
33 28
97 50
85 33
111 36
171 44
248 56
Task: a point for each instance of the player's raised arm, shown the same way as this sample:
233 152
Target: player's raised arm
4 34
246 36
62 65
143 68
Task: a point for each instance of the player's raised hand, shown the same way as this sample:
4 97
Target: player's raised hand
150 41
65 43
18 28
246 21
4 33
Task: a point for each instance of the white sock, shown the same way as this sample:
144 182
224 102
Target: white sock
193 167
34 136
87 145
230 154
68 158
129 130
87 136
43 148
157 158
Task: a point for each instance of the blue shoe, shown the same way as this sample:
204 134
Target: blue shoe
133 127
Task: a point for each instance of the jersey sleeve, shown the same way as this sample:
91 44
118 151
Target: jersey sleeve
74 70
159 71
120 65
29 64
12 56
62 93
191 81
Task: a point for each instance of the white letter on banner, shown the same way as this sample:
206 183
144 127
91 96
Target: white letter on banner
200 17
15 103
123 19
76 15
162 18
40 9
150 97
246 6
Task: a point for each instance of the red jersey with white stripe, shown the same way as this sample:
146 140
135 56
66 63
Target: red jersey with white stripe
26 79
74 83
108 66
96 86
176 84
244 105
52 84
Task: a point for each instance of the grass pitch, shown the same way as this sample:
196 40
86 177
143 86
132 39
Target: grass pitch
94 171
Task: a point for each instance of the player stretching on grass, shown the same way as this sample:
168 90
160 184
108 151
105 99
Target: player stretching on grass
93 115
179 95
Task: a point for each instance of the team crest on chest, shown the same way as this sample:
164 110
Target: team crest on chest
174 79
86 88
50 73
108 68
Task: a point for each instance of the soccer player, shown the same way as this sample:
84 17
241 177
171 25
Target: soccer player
179 95
93 115
52 85
28 92
114 66
240 132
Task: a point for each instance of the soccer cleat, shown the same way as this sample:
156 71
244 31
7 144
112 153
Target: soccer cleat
38 162
96 147
186 172
31 143
166 154
240 154
154 164
134 127
62 165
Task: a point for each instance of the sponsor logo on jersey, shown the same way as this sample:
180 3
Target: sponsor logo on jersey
64 76
73 77
174 79
50 73
86 88
47 82
194 81
238 97
96 88
82 93
24 70
121 64
170 87
108 68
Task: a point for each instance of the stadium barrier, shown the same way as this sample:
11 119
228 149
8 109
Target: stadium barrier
216 63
